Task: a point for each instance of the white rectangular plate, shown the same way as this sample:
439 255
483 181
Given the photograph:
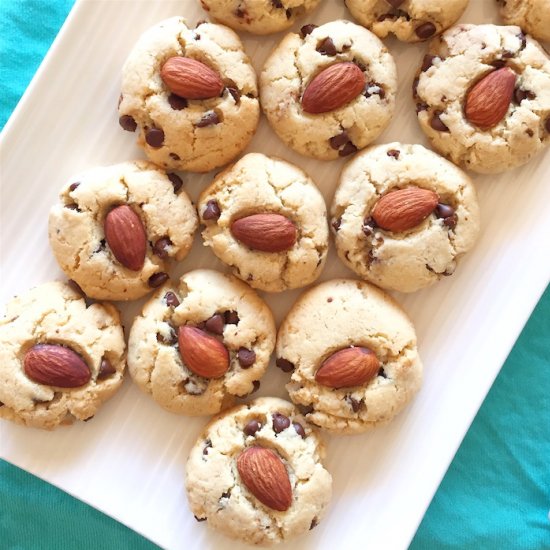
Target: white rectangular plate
129 461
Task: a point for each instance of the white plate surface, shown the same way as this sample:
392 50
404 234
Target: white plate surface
129 461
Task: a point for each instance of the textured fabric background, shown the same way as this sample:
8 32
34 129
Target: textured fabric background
496 494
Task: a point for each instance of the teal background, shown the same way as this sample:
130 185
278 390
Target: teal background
495 495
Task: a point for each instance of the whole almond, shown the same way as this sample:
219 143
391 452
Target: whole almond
487 101
404 209
348 367
265 476
190 78
202 354
55 365
265 232
126 237
333 88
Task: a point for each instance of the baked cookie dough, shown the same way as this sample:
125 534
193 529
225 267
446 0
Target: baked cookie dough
483 97
439 200
204 113
225 467
533 16
353 357
258 16
408 20
266 219
200 343
116 227
352 103
59 359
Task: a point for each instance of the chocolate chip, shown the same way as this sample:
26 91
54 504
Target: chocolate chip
154 137
336 224
227 494
101 246
207 445
171 340
177 103
368 226
421 107
382 372
329 300
307 29
239 12
160 248
171 299
437 124
507 54
348 149
212 210
127 123
235 94
288 13
284 365
385 16
73 206
305 409
231 318
355 405
246 357
529 132
547 125
327 47
523 40
393 153
337 141
105 369
380 92
314 523
252 427
280 422
73 186
174 156
277 3
444 210
299 429
499 63
425 30
256 386
427 62
177 182
215 324
199 519
209 119
451 221
520 95
157 279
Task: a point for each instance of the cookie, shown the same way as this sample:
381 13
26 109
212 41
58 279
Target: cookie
483 97
353 357
266 219
200 343
258 16
116 227
191 94
329 90
402 216
256 473
59 359
408 20
533 16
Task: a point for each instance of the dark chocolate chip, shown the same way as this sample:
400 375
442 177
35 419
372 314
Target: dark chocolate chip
529 132
425 30
177 103
174 156
382 372
157 279
177 182
280 422
215 324
284 365
523 40
368 226
73 206
200 519
385 16
355 405
252 427
239 12
520 95
235 94
127 123
327 47
451 221
160 248
246 357
347 149
444 210
171 299
307 29
299 429
227 494
381 92
394 153
421 107
427 62
498 63
212 210
105 369
288 13
337 141
507 54
231 318
314 523
171 340
305 409
209 119
329 300
154 137
101 246
256 386
207 445
277 3
437 124
336 224
73 186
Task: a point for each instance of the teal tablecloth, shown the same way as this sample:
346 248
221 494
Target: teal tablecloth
496 494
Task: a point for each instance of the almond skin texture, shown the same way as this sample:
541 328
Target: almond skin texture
404 209
55 365
348 367
488 101
191 79
265 232
126 237
333 88
265 476
203 354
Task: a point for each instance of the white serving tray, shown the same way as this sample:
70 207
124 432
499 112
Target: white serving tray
129 461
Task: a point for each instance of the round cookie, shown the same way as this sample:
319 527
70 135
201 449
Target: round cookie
353 357
258 16
224 318
440 203
533 16
221 477
483 97
208 114
408 20
59 359
361 73
266 219
116 227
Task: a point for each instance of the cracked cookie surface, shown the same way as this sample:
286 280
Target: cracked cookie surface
408 20
259 184
221 305
458 60
189 134
258 16
533 16
420 256
55 314
77 235
217 493
298 59
334 316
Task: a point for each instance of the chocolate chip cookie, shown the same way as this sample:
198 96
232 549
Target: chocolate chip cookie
191 94
482 97
329 90
266 219
402 216
256 473
353 357
116 227
59 359
533 16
